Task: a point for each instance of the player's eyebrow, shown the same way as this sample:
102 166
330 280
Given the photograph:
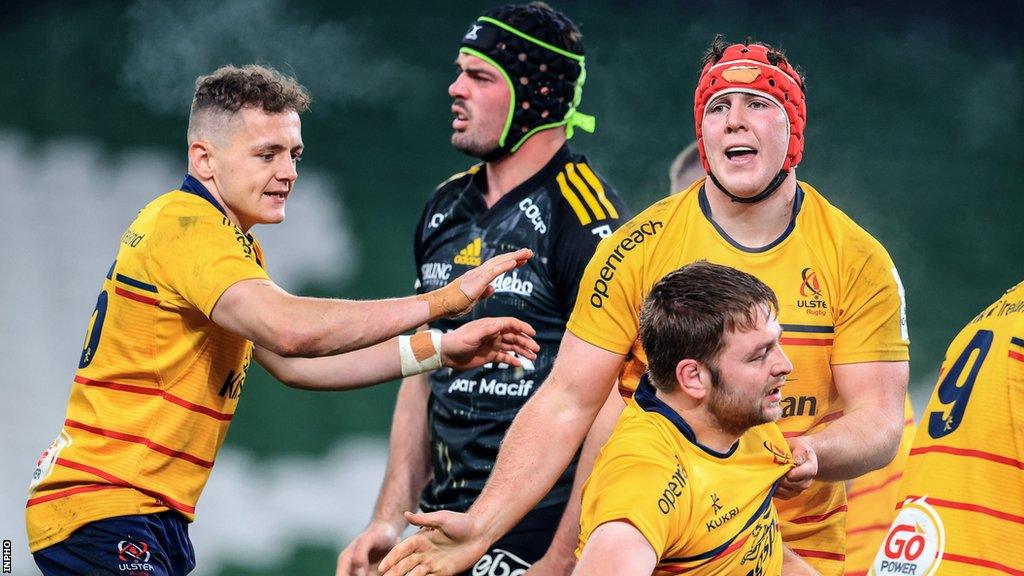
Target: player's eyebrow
274 147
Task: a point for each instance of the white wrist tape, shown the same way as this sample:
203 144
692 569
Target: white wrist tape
420 352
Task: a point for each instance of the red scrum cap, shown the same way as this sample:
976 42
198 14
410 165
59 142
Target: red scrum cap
746 68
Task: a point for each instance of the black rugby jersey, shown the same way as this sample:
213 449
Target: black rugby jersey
561 213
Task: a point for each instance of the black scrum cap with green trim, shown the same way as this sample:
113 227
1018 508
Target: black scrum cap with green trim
545 82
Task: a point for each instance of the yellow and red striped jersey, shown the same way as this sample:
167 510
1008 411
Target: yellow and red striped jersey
703 512
870 500
158 381
840 302
961 501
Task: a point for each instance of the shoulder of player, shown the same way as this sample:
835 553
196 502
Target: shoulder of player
447 191
649 224
182 211
456 182
645 433
822 220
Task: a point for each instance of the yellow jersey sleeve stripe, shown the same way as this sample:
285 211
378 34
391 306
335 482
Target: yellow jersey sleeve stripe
596 186
585 192
573 201
136 297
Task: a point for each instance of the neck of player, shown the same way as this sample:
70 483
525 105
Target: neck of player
505 174
758 224
705 427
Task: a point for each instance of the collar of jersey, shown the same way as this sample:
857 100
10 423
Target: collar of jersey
478 184
705 208
193 186
649 402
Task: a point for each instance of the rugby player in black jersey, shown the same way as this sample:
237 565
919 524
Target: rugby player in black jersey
519 79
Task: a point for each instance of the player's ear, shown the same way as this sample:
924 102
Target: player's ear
688 376
200 160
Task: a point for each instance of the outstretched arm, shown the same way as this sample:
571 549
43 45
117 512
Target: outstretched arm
528 463
560 557
294 326
407 473
472 344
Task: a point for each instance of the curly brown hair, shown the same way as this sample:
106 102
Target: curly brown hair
228 89
690 310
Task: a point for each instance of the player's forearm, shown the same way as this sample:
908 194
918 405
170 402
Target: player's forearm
860 441
408 468
293 326
867 435
528 467
356 369
566 538
326 327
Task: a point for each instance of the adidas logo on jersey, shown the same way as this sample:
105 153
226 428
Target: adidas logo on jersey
470 255
512 283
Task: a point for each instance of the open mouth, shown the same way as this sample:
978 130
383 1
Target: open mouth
460 119
459 112
734 152
277 195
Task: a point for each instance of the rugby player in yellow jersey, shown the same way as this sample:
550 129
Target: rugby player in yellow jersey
961 501
685 482
870 496
184 308
841 311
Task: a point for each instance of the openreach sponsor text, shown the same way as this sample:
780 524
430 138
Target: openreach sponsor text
635 238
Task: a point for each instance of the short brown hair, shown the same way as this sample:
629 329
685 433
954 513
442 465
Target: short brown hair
229 88
688 312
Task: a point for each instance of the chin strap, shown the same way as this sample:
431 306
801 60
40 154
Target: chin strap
772 187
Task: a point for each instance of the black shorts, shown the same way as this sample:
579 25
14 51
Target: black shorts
141 545
522 546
